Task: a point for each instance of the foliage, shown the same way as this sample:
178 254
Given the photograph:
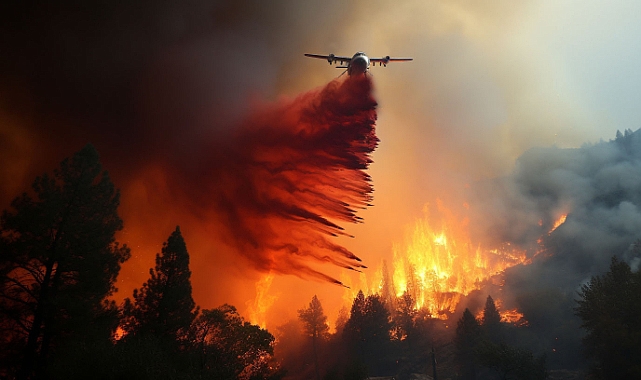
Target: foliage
467 341
59 264
227 347
315 325
610 308
481 353
491 322
164 306
511 363
367 334
314 320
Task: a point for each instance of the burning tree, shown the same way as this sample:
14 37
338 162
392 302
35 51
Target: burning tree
58 265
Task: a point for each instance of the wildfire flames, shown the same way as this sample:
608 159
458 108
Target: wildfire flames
511 316
558 222
258 308
439 264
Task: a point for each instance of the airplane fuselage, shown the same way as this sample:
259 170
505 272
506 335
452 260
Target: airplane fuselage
359 64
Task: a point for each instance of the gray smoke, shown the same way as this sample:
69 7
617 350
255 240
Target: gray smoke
598 186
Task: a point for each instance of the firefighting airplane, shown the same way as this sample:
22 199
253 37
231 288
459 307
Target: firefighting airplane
359 63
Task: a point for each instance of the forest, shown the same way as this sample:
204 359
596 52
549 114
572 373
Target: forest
59 261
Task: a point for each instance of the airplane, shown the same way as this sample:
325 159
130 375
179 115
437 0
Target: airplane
359 63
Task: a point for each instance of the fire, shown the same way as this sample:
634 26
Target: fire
264 300
558 222
439 265
511 316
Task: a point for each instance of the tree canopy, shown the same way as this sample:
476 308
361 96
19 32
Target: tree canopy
59 264
164 306
610 308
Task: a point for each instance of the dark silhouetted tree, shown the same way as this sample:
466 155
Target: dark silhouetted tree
353 331
510 363
59 263
367 334
467 340
229 348
341 320
315 325
404 317
491 322
164 307
610 309
376 336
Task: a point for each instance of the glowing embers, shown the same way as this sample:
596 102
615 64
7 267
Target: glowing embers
438 265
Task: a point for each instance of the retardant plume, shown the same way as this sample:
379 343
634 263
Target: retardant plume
283 180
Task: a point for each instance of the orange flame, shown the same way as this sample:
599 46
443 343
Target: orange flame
558 222
512 316
258 309
439 266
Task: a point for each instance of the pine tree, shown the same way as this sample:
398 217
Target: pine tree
352 333
164 307
609 307
492 321
59 263
315 325
467 340
376 335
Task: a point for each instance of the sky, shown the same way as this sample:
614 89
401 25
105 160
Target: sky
148 82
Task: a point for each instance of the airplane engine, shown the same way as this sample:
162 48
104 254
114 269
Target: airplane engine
330 58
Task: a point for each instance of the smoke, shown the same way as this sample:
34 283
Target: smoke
597 186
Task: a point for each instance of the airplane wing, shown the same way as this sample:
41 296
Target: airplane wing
330 58
385 60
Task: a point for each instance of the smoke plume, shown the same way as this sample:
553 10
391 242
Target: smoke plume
597 186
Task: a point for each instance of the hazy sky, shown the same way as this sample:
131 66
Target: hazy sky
146 82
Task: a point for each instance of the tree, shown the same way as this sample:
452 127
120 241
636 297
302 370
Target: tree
367 335
230 348
315 325
352 333
404 318
467 340
376 336
59 263
610 309
491 322
164 307
511 363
